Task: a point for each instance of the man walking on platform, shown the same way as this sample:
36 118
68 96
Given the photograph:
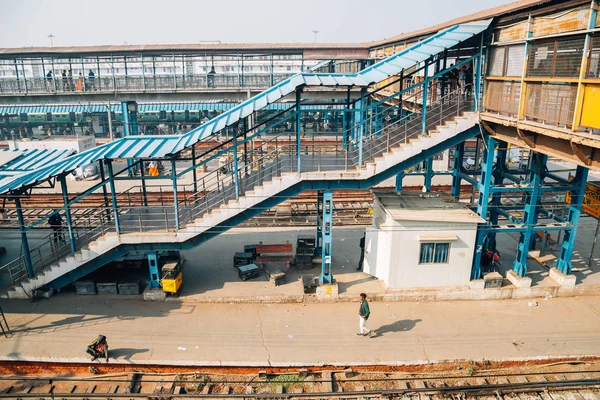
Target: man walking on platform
363 315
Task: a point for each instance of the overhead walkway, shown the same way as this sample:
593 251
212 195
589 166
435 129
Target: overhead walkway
256 178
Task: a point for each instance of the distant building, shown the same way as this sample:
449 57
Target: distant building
420 240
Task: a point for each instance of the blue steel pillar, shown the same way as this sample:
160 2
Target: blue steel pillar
361 127
530 211
428 174
325 221
24 242
498 174
65 193
236 176
298 126
129 113
154 281
484 186
113 194
478 74
459 153
104 191
424 96
568 244
399 179
175 201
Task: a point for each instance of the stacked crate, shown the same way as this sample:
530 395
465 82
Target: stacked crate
305 250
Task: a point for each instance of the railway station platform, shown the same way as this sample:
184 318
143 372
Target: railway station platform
302 334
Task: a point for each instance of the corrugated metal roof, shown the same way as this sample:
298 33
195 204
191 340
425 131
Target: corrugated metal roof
138 146
16 109
15 161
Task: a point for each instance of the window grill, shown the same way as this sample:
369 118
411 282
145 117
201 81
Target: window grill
594 62
503 97
551 103
556 58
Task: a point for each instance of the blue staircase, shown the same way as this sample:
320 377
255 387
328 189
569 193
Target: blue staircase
258 179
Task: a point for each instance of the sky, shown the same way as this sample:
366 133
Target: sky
25 23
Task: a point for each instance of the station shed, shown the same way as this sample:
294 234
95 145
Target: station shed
420 240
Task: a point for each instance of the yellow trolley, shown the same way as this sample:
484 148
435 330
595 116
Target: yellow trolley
172 277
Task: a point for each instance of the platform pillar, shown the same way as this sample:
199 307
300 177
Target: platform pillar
24 242
65 194
235 172
459 154
154 281
428 174
104 191
325 233
498 175
568 244
399 178
175 200
529 213
484 187
144 190
424 98
113 195
298 128
130 126
361 127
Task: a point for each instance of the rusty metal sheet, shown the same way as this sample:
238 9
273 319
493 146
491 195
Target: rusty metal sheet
512 32
566 21
590 117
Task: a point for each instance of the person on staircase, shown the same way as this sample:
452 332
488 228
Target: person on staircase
55 222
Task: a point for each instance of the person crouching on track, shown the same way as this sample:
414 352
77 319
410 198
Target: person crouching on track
98 347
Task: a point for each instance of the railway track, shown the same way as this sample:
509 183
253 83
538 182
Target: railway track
467 381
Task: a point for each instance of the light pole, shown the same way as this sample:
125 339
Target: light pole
315 32
51 36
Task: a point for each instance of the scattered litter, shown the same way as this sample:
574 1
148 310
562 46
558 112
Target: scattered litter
341 240
548 296
181 348
287 310
533 303
268 305
290 336
287 326
257 325
342 266
196 346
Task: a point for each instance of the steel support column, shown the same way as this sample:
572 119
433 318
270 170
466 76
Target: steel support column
65 194
235 172
194 173
104 191
428 174
113 194
128 128
144 191
530 213
568 245
484 186
399 178
459 153
478 74
298 126
175 200
361 127
326 230
24 242
153 267
498 174
424 98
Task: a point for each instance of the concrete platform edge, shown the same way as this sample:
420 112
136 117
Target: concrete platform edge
199 363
